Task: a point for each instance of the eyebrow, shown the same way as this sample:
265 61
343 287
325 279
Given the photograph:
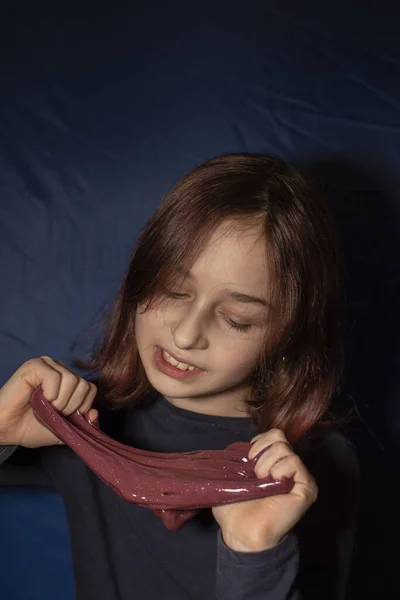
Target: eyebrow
239 296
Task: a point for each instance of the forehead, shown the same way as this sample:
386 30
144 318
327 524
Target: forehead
234 255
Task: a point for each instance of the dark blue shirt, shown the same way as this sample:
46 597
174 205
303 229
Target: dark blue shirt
122 551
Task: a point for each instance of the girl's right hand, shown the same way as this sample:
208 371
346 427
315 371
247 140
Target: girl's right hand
65 391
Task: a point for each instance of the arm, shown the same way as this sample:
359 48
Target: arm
267 575
311 562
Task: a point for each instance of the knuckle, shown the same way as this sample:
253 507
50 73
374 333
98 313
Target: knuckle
275 431
277 434
71 377
32 362
40 367
45 360
297 460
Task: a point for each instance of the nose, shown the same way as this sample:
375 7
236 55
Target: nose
188 331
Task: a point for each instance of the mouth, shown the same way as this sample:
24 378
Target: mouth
169 364
177 360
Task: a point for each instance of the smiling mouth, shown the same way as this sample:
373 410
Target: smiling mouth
179 364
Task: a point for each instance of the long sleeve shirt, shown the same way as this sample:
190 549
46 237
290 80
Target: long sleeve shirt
121 551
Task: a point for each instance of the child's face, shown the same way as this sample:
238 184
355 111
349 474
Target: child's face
195 328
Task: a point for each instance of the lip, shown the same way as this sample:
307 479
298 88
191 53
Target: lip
172 371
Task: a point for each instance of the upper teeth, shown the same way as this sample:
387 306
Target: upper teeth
180 365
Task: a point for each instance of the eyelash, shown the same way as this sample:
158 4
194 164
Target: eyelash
237 326
232 324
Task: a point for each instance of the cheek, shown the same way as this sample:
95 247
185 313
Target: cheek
147 325
142 328
240 359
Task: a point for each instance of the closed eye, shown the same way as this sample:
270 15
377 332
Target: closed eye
175 295
230 322
237 326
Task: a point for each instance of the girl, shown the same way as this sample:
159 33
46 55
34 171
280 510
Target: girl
225 329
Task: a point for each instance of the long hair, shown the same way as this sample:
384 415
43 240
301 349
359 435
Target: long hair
300 362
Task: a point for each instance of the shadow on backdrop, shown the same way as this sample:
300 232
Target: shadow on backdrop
368 225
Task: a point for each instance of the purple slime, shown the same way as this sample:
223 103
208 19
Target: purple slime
174 485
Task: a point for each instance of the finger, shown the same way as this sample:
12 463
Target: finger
304 483
66 387
265 440
89 399
275 453
40 372
81 392
55 364
292 466
78 398
72 388
93 417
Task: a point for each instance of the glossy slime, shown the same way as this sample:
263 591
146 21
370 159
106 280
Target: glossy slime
174 485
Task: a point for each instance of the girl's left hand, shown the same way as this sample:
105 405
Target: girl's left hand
257 525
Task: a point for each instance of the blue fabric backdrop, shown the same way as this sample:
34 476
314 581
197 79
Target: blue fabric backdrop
103 107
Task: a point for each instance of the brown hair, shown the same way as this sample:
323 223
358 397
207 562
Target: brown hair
300 363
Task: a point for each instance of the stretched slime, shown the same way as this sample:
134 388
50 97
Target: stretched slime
176 486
